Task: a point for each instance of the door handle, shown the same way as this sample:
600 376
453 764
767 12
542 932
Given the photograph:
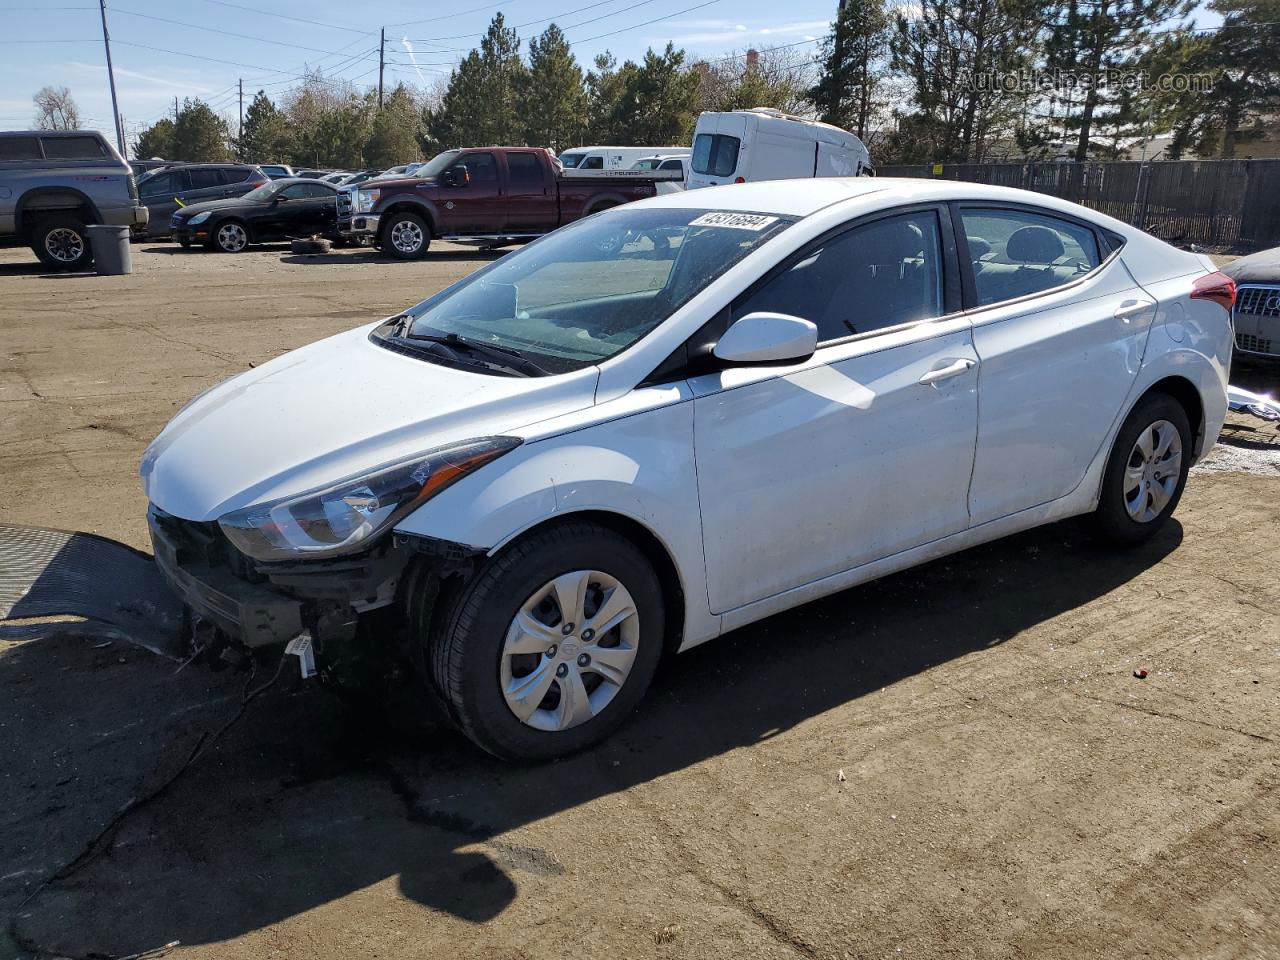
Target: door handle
1131 308
953 369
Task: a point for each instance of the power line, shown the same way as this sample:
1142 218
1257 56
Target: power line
529 23
450 16
636 26
225 33
346 28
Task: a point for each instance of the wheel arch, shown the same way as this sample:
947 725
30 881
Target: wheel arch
413 205
1188 396
605 201
40 200
217 221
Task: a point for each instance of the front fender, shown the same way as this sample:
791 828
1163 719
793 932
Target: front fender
637 462
421 206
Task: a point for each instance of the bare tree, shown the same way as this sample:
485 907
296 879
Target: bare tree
56 109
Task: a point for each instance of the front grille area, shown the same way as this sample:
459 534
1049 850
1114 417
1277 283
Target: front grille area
206 545
1247 341
1258 301
344 203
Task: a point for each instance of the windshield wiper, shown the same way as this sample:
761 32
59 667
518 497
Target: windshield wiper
506 357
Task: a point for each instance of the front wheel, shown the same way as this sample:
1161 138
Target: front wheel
230 236
1147 470
406 236
553 644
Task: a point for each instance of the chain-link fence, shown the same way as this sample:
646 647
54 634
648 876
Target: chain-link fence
1221 203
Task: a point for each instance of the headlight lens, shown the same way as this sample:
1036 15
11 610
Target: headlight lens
366 200
198 218
349 515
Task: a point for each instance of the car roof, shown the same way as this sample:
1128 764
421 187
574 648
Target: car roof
801 198
50 133
288 180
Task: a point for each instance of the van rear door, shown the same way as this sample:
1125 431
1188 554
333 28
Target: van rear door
721 149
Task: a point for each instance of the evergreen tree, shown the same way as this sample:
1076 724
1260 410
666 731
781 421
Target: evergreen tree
461 119
852 65
954 54
657 102
199 134
553 100
1242 58
393 136
605 87
1091 39
266 137
156 141
501 81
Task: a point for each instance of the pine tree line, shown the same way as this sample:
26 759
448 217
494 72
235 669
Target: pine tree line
919 81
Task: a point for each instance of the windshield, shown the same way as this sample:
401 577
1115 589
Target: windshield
592 289
436 165
571 159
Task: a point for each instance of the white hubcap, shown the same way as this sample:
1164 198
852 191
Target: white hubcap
1154 470
569 650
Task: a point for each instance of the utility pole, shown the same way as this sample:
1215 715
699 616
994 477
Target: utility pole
240 128
175 109
382 46
111 78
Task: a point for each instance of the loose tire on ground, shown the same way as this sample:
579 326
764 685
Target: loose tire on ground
406 236
1146 471
468 649
60 241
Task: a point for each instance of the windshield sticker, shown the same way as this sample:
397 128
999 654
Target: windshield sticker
735 221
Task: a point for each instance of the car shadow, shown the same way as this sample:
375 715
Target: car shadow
38 269
311 797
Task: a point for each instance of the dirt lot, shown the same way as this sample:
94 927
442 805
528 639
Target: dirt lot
954 762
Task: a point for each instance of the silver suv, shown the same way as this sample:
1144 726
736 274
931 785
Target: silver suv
52 184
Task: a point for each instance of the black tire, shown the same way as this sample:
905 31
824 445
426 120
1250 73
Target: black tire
464 650
57 238
1112 518
397 233
220 243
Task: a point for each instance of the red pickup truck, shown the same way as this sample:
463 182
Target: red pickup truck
490 196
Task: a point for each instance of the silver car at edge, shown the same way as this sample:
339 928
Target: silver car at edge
55 183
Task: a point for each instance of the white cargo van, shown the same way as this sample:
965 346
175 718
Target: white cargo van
763 144
614 158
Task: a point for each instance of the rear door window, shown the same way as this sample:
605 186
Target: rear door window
671 165
524 169
204 177
715 154
1016 253
236 174
73 148
19 148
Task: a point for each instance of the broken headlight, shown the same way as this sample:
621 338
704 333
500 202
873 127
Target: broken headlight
347 516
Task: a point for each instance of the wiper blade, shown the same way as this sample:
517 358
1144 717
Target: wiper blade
504 356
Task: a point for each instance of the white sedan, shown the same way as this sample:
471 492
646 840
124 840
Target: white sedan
679 416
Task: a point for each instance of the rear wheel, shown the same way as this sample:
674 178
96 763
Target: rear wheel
60 241
1147 470
406 236
552 644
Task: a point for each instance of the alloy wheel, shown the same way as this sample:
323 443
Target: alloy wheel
569 650
232 237
406 236
64 244
1153 471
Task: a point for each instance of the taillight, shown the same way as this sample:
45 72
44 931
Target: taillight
741 180
1217 287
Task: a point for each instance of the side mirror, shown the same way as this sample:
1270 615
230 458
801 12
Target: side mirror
768 337
458 176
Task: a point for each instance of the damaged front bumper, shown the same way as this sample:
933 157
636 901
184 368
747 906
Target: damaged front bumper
261 604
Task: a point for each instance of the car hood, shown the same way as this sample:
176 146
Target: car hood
191 209
1261 267
338 408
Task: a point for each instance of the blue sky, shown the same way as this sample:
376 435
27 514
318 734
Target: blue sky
155 45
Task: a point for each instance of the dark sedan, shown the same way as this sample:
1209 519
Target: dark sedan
278 210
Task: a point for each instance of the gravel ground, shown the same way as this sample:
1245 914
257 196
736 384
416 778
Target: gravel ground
957 761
